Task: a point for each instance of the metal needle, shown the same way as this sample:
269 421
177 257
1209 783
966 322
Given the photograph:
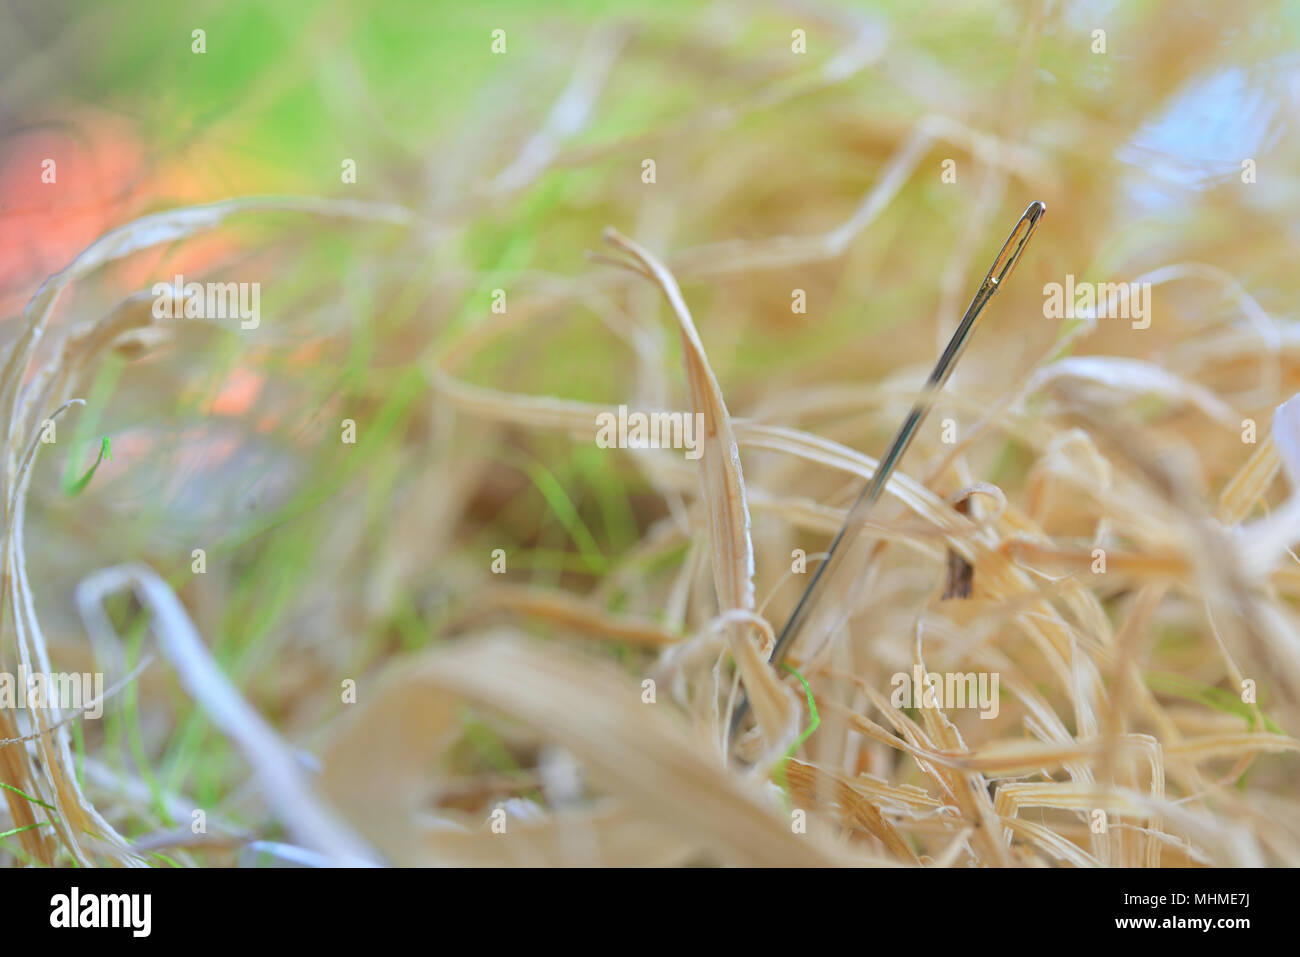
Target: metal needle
997 275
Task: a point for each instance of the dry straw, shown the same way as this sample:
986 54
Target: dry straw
1127 732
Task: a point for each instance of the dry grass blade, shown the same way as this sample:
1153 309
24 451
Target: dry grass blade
575 613
170 226
723 492
813 784
567 839
1113 380
642 755
313 824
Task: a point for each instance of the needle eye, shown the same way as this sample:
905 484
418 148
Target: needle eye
1015 244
